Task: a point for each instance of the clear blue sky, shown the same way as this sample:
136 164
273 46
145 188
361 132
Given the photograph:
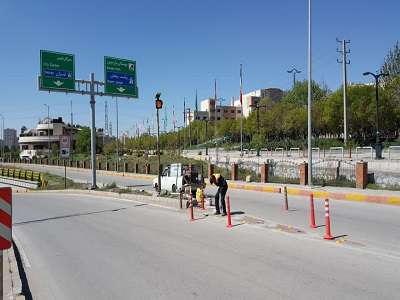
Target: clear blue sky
183 45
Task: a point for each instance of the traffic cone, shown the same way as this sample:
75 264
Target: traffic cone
312 213
328 235
228 204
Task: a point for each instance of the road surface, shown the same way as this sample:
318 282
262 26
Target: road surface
372 225
85 247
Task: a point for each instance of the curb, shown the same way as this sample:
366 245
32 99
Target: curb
12 279
354 197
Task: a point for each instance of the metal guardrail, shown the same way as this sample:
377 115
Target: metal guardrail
318 151
365 148
294 149
393 148
335 149
281 150
19 182
24 177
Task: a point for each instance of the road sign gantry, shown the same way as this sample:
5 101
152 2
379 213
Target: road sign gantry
57 74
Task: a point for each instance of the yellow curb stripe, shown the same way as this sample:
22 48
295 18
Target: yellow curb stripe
393 200
355 197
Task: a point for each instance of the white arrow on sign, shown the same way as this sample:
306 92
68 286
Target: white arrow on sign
121 89
58 83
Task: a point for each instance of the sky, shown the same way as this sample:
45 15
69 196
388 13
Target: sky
180 46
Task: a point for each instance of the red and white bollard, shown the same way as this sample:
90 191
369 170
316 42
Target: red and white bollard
328 235
228 206
191 208
312 213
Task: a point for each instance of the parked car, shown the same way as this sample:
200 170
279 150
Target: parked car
177 177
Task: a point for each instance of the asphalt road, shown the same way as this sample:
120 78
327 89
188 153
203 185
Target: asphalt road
85 247
374 226
85 175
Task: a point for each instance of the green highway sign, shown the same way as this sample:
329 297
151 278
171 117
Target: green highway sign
57 71
120 77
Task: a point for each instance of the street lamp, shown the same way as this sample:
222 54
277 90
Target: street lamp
48 129
206 121
2 136
159 104
257 106
378 145
294 71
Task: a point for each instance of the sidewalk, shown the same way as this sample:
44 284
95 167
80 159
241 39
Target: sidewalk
336 193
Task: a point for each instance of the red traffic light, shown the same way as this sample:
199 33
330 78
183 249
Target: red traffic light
159 103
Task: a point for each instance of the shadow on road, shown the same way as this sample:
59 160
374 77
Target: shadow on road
77 215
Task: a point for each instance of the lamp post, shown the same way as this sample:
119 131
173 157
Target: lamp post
309 99
294 71
48 128
378 145
257 106
159 104
206 121
2 136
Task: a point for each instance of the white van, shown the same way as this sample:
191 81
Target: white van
176 176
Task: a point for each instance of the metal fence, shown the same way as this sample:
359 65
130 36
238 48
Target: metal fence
283 171
334 172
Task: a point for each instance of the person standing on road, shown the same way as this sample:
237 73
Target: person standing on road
222 185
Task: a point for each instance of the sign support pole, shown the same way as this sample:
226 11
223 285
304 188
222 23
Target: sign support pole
93 131
1 274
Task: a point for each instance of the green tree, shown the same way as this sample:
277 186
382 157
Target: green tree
299 93
391 64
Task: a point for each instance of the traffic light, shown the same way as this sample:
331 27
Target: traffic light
159 102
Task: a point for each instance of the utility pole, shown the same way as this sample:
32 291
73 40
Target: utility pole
184 123
241 110
215 121
190 129
344 63
2 137
294 71
71 134
309 100
48 129
196 104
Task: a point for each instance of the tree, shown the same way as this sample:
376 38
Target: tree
83 140
299 93
391 64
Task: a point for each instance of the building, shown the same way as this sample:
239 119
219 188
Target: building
250 99
46 136
211 111
10 138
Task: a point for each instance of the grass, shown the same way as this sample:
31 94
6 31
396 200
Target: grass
112 187
55 182
374 186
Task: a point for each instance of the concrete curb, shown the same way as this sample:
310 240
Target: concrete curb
348 196
152 200
12 279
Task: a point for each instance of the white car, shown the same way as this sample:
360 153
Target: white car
176 176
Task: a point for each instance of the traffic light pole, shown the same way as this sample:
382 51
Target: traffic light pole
93 130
